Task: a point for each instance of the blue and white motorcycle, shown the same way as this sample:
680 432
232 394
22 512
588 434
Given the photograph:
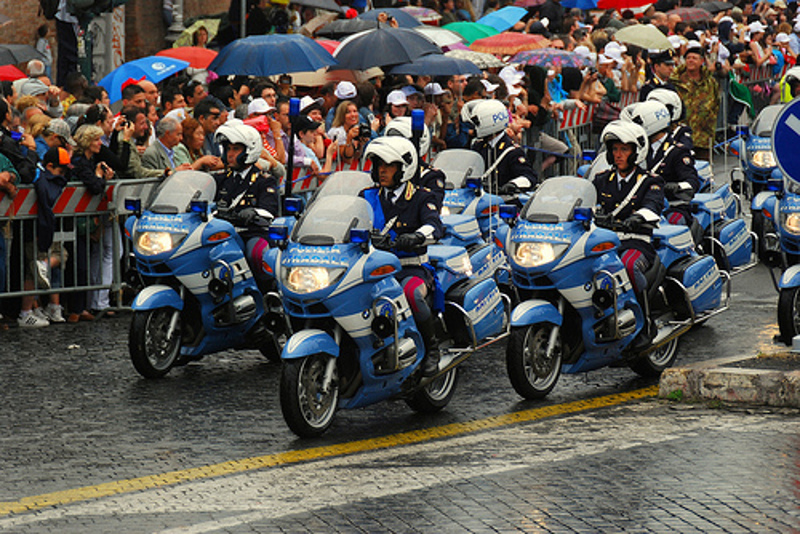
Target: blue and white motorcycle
579 311
199 294
757 163
355 340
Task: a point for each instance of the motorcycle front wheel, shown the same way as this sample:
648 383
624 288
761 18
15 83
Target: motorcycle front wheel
307 407
532 373
652 364
789 314
436 395
153 352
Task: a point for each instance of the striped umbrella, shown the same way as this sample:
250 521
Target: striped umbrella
506 44
423 14
691 14
551 56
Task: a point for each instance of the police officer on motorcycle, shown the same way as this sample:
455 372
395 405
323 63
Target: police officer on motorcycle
428 176
246 196
406 221
509 169
679 132
630 199
668 159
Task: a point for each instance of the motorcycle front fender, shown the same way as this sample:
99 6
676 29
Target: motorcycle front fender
763 199
309 342
157 296
790 277
535 311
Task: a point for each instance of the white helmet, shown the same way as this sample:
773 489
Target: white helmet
236 132
792 79
488 116
401 126
628 133
393 149
669 98
651 115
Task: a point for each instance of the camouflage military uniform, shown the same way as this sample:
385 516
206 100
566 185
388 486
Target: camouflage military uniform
701 102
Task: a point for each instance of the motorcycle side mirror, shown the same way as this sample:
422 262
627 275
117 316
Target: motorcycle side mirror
584 215
775 185
293 206
508 212
134 205
279 235
474 183
360 236
201 207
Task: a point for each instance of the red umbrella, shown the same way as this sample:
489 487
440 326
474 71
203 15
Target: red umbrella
622 4
529 3
9 73
509 43
691 14
198 58
328 44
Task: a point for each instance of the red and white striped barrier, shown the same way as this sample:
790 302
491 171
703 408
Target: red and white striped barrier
73 200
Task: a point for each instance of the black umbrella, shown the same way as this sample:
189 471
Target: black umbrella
11 54
329 5
384 46
344 27
436 65
715 6
404 20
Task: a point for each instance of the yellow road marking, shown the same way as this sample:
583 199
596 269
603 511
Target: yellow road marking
271 460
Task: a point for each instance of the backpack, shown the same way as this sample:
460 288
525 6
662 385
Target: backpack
48 8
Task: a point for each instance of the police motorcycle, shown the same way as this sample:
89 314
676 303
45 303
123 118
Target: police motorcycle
355 342
579 311
753 147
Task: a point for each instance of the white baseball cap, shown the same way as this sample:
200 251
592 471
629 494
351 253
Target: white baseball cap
490 87
397 98
258 105
434 89
756 27
345 90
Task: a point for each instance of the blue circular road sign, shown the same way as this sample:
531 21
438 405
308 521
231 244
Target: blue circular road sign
786 140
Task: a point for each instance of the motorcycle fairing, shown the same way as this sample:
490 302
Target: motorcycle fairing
790 277
157 296
535 311
309 342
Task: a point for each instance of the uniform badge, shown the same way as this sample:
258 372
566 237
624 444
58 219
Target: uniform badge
440 183
522 159
687 160
270 190
431 206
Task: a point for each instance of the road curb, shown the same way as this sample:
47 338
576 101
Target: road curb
721 380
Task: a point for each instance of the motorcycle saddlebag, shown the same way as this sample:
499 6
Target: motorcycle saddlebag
480 300
700 276
736 241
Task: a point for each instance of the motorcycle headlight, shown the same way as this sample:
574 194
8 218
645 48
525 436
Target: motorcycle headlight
763 159
791 223
306 279
152 243
536 253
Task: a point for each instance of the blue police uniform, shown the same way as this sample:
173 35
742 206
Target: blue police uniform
673 162
513 167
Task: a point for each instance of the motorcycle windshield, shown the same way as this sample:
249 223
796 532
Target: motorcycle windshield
178 190
458 164
556 200
329 220
765 122
347 183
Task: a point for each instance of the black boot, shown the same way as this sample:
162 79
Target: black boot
649 330
430 364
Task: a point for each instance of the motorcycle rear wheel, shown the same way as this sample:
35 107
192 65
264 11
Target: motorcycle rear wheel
531 372
789 314
152 353
307 409
652 364
436 395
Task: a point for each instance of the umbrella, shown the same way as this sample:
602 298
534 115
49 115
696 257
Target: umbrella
583 5
198 58
404 20
504 18
9 73
265 55
714 6
343 27
471 31
320 77
384 46
423 14
152 68
12 54
691 14
439 36
328 5
643 36
551 56
328 44
622 4
483 61
531 3
437 65
185 38
509 43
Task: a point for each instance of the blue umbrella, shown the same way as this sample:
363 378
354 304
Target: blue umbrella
153 68
583 5
384 46
436 65
504 18
266 55
404 20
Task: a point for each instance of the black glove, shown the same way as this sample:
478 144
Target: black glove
408 242
672 188
246 216
633 224
510 189
604 220
382 242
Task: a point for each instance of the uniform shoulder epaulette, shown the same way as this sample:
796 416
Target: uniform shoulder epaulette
410 189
